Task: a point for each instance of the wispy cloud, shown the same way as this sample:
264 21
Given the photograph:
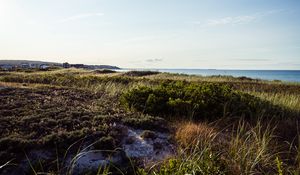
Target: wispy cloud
236 20
79 17
154 60
147 61
231 20
251 59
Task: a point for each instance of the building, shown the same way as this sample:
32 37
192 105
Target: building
25 66
44 66
33 65
6 67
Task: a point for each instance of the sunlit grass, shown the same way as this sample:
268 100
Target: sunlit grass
290 101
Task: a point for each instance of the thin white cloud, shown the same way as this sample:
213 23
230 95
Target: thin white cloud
154 60
232 20
251 59
79 17
236 20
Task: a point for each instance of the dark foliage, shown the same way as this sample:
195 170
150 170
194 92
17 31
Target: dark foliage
140 73
104 71
198 101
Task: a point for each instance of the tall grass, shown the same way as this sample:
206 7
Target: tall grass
250 149
287 100
196 154
203 150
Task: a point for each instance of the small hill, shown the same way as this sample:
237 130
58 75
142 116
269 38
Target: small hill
18 62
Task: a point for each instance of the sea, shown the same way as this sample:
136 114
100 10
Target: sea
282 75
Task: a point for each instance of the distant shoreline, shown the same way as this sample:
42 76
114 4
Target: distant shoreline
282 75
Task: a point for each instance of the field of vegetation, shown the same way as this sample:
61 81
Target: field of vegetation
73 121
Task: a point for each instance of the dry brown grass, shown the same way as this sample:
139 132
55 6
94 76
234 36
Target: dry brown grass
191 134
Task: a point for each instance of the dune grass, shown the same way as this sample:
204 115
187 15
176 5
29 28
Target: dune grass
226 142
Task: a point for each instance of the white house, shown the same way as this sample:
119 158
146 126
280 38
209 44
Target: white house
44 66
33 65
6 66
25 66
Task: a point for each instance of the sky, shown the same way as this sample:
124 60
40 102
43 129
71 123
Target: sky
204 34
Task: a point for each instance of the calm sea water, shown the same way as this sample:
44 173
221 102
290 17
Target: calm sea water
284 75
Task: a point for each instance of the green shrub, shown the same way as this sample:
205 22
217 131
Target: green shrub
145 122
191 100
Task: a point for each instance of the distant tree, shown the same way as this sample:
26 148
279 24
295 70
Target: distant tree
66 65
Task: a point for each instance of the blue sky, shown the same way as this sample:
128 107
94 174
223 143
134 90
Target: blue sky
227 34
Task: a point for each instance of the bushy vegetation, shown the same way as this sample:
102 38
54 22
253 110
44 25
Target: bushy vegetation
140 73
104 71
197 101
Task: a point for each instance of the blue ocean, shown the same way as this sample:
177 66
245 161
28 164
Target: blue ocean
283 75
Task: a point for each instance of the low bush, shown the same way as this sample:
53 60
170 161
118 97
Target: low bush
104 71
145 122
193 100
140 73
